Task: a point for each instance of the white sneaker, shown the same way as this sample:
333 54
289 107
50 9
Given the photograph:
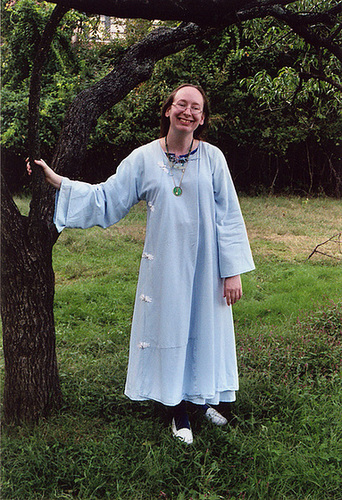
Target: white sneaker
183 434
215 417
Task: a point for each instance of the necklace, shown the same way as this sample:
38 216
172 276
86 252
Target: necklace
177 190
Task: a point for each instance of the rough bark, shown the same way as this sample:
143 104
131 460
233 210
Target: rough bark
31 387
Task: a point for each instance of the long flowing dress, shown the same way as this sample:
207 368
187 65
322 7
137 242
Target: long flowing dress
182 340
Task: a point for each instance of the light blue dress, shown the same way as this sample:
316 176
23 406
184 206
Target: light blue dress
182 340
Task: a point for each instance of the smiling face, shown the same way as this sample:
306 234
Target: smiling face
182 113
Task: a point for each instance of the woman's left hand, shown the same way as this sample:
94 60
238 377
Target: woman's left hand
232 289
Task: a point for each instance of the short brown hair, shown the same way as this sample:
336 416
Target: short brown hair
165 121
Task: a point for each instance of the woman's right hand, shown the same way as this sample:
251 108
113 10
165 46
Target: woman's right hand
50 176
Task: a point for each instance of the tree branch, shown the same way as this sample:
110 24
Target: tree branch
135 67
334 239
219 13
295 21
202 12
305 75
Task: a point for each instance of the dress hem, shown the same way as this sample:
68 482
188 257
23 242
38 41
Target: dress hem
228 396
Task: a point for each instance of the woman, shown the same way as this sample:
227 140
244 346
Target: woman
182 341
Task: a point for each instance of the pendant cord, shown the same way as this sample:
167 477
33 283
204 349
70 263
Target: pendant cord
169 155
177 191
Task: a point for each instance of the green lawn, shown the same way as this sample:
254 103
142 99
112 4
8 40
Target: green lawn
284 440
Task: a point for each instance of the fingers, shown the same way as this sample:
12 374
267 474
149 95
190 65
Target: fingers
232 290
28 166
40 163
233 296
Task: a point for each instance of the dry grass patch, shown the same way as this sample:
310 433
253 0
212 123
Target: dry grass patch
134 231
290 228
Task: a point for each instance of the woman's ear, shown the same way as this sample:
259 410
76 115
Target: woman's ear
167 112
202 119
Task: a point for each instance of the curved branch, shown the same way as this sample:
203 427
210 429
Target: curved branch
219 14
202 12
305 75
135 67
296 22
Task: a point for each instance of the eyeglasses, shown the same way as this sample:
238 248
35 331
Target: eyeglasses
181 106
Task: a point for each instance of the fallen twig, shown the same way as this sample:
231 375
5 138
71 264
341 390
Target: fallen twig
334 239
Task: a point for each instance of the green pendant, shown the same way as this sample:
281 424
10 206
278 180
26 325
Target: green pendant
177 191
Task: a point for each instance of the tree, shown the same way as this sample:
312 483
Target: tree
270 120
31 377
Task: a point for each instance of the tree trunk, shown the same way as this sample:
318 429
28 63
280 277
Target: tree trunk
31 386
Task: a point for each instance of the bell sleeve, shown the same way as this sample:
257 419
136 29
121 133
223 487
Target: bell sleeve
234 251
82 205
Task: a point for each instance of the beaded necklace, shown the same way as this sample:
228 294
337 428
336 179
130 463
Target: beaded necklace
177 190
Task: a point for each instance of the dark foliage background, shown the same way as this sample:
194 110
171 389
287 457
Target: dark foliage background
279 133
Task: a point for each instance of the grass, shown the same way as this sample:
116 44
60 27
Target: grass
284 439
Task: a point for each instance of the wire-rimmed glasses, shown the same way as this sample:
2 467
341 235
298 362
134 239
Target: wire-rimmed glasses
182 106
